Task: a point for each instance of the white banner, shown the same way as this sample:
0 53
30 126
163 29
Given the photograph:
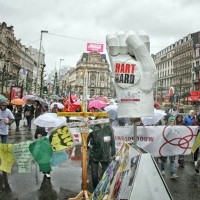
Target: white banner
159 140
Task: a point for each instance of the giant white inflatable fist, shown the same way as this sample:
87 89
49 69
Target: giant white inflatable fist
134 73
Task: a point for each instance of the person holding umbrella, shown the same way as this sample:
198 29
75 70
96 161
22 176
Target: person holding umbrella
39 109
17 112
29 113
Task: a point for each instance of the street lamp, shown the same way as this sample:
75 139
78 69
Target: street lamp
180 86
38 64
61 59
161 88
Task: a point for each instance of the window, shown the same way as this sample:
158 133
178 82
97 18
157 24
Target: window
102 82
92 82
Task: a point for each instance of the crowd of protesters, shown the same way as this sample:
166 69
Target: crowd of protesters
173 118
33 109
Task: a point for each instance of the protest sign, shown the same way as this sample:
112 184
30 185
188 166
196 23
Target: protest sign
23 156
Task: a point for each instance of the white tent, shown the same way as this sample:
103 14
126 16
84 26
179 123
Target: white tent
149 182
133 175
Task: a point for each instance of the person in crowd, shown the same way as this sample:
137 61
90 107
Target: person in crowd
17 112
173 111
196 153
29 113
40 132
171 122
179 122
10 106
156 105
101 144
55 108
189 119
43 145
39 109
179 119
6 119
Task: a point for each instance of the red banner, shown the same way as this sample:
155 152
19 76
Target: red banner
16 92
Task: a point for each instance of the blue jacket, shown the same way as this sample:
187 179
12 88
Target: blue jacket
189 121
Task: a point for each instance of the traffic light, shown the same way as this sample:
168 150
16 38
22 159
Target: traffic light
45 90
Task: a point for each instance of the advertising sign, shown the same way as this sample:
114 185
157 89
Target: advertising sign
93 47
16 92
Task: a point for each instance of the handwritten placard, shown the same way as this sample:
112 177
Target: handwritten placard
23 156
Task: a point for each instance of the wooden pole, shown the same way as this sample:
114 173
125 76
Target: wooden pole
84 136
84 194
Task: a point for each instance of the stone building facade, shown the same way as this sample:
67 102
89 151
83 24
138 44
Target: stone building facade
95 66
16 63
178 66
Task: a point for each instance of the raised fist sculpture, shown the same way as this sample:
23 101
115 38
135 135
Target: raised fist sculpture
134 73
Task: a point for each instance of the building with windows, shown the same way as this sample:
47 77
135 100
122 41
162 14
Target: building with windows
95 68
16 62
178 67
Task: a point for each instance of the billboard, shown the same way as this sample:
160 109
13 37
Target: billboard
16 92
93 47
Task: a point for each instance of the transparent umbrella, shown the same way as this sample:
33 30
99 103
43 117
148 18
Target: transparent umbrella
60 105
36 98
112 114
49 120
158 115
28 96
111 107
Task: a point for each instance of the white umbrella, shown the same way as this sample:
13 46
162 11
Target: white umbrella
112 114
49 120
158 115
60 105
113 106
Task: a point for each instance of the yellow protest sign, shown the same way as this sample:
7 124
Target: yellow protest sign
196 144
6 157
61 139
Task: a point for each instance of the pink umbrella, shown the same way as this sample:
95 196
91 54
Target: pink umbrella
102 98
97 104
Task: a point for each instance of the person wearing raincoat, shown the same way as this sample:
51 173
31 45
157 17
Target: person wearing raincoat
101 144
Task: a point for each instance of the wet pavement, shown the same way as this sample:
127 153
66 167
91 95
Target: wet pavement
187 185
66 178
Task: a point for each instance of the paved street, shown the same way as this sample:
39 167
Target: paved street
66 179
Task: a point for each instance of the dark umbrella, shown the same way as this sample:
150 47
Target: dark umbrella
36 98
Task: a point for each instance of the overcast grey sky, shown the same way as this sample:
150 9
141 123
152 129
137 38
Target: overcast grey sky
91 20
